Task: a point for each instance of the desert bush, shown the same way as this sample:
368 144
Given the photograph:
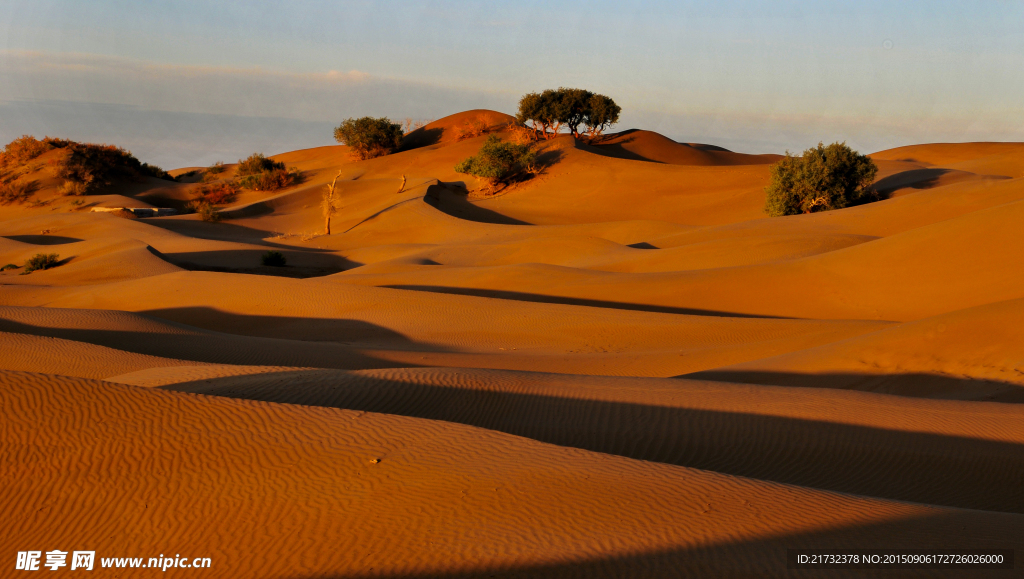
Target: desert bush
410 125
822 179
72 188
95 166
9 266
471 128
17 192
568 107
260 173
520 134
499 162
210 173
273 259
23 149
271 180
92 166
257 163
207 212
217 193
41 261
369 137
154 171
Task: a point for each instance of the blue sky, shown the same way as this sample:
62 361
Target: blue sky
752 76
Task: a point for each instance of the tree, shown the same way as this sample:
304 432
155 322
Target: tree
329 204
369 137
498 162
824 178
602 112
535 108
573 106
570 107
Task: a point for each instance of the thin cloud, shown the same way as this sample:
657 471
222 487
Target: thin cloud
256 92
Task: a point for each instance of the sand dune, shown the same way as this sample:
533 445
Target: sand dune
124 332
972 354
937 268
44 355
387 485
859 443
365 327
650 146
458 384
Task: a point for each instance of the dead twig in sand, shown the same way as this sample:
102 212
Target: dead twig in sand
329 204
402 186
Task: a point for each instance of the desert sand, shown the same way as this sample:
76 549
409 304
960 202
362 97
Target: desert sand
617 368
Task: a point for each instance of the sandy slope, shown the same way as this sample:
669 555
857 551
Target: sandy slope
973 354
650 146
852 377
276 321
325 491
859 443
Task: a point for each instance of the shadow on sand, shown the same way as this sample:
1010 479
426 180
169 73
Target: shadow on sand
759 558
43 239
301 263
452 198
568 301
905 465
901 384
253 340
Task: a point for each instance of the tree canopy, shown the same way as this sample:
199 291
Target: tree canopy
550 110
824 178
369 137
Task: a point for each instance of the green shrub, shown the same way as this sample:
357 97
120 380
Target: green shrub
369 137
499 162
262 174
41 261
9 266
824 178
256 164
273 259
271 180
